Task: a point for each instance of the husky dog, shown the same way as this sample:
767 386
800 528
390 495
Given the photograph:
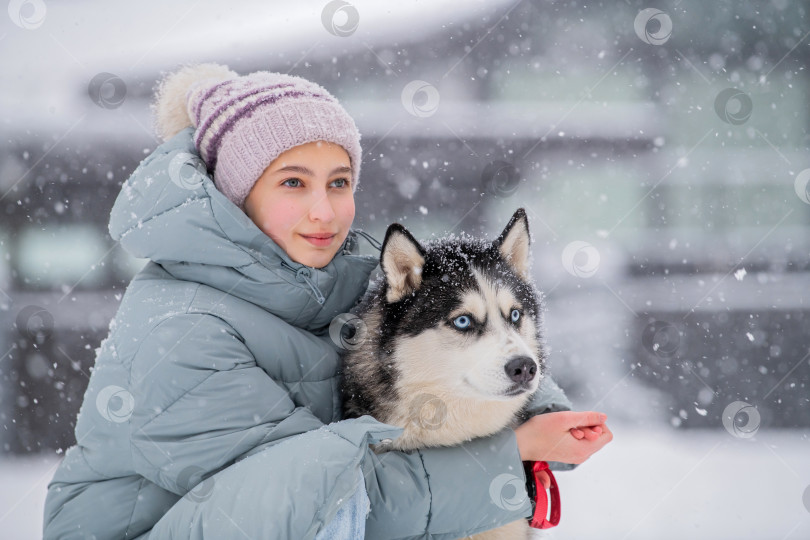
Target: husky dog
452 345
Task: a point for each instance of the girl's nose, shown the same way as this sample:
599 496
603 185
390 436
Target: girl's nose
321 208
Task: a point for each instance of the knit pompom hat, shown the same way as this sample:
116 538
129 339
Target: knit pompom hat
244 122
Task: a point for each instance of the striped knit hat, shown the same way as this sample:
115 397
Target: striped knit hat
244 123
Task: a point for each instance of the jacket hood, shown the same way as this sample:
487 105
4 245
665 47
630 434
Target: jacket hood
170 211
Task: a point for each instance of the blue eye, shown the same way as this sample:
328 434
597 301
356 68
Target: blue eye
291 180
344 180
462 322
515 315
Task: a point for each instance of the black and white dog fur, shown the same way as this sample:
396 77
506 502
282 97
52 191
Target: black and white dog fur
451 347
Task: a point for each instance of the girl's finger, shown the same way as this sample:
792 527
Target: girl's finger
578 435
589 434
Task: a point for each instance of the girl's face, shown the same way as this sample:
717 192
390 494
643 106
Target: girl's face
304 195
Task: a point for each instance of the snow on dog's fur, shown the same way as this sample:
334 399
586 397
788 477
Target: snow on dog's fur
449 347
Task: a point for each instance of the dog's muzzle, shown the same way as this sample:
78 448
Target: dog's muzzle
521 370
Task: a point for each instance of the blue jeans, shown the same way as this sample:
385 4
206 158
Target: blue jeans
350 521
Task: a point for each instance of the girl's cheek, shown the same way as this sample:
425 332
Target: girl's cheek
276 219
286 216
347 210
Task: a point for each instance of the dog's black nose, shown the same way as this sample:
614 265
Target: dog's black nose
521 369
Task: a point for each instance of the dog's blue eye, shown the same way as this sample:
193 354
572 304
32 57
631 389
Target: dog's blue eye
515 315
462 321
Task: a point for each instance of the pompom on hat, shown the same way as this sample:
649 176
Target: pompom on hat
244 122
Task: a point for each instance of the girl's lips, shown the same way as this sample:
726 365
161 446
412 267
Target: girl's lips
319 242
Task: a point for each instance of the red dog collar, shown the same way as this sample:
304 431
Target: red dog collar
539 498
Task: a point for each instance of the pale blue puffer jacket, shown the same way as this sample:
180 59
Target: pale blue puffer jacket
213 408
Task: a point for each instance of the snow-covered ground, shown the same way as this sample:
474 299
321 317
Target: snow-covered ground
643 485
23 484
688 485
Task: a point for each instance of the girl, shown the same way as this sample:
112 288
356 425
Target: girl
213 408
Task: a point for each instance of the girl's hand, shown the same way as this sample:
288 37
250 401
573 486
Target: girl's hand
567 437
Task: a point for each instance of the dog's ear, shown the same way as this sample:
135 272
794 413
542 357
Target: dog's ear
401 260
513 243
